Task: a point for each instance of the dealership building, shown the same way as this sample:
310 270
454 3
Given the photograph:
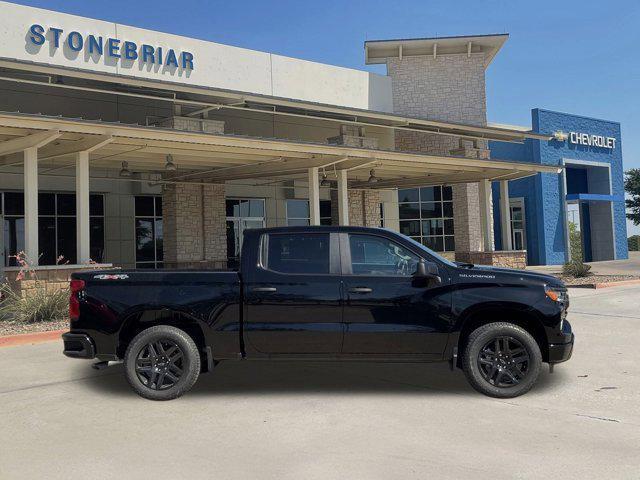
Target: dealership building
135 148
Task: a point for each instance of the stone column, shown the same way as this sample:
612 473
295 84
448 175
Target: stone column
194 221
449 88
215 225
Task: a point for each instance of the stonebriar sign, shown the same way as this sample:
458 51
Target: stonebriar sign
115 48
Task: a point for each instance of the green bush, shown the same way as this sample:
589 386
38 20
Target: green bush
576 269
39 305
634 243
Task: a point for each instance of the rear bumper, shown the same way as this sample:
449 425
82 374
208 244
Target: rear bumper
78 345
561 352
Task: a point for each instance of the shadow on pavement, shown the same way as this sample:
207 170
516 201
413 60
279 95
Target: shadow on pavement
284 377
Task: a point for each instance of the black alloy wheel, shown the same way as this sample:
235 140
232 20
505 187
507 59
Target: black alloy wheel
501 359
159 364
503 362
162 362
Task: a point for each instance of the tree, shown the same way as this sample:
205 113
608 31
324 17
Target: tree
575 243
632 187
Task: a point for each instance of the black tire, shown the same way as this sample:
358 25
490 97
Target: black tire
162 363
501 360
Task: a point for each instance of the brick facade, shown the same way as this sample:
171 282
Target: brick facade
364 208
448 88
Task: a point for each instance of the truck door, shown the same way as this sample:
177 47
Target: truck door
293 299
387 311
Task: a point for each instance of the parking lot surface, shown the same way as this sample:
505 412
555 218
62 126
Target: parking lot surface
284 420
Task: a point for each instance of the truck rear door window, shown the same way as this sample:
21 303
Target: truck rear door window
306 253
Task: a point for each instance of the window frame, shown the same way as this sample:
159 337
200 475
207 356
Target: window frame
418 217
334 253
345 254
308 219
154 218
55 216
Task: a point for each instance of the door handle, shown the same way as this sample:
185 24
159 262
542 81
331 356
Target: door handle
264 289
360 290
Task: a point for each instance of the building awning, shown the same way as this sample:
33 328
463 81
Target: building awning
197 100
593 197
218 158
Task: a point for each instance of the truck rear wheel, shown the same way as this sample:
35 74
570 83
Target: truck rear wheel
162 363
501 360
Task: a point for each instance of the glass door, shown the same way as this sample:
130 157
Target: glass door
242 214
518 232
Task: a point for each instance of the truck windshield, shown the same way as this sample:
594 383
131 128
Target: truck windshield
430 252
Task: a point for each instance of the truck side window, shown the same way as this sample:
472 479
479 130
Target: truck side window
371 255
306 253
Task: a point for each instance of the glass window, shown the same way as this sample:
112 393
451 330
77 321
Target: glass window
66 203
408 195
303 253
13 203
242 214
46 204
96 205
145 206
427 213
149 231
372 255
298 212
297 209
56 227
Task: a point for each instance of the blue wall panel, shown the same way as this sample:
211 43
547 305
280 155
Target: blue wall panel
543 194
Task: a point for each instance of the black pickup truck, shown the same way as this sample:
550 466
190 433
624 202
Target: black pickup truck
343 293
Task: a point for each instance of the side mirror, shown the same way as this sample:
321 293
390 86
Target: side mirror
427 270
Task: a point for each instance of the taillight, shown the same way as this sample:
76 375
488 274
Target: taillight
76 286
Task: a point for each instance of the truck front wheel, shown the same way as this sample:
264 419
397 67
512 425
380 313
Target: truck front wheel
162 363
501 360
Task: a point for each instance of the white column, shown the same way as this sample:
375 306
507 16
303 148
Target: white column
82 207
314 197
505 215
486 216
343 198
31 205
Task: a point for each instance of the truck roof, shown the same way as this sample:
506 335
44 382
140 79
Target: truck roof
319 228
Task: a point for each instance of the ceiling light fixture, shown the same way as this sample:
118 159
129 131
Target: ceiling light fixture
170 166
372 177
324 182
124 171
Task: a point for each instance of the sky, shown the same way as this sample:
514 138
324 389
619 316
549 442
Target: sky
578 57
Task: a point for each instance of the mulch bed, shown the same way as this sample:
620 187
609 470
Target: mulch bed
595 279
16 328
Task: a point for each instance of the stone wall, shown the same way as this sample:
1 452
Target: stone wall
194 221
449 88
500 258
52 278
364 208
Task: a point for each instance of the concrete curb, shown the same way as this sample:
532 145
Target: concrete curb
606 284
30 338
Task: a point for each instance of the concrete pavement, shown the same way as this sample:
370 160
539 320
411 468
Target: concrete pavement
61 419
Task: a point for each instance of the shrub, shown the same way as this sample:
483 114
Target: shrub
576 269
634 243
38 305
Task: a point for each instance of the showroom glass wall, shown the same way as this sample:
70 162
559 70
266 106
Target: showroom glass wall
426 215
149 236
56 227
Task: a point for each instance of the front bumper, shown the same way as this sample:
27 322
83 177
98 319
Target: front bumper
561 352
78 345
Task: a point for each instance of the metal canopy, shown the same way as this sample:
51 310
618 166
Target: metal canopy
197 100
220 158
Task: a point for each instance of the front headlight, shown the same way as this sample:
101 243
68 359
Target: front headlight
556 294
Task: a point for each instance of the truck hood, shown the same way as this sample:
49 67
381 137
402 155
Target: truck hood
512 274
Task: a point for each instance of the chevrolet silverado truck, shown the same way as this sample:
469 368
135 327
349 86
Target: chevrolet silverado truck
339 293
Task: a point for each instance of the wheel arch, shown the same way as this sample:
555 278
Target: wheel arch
136 321
517 314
